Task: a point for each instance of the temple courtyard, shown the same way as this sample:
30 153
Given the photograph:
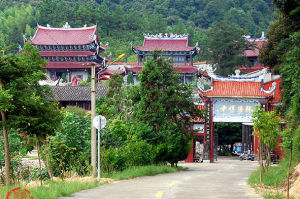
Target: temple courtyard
226 178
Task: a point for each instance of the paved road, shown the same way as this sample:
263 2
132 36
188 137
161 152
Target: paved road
223 179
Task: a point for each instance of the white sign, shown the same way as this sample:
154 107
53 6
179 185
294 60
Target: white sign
233 110
99 120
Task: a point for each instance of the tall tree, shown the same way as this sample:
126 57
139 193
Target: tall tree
226 46
23 102
165 107
278 44
266 127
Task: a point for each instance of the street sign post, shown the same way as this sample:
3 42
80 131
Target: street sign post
99 122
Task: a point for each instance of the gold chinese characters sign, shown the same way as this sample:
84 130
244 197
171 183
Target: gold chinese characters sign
233 110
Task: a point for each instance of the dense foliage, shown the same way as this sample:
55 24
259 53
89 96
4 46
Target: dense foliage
146 123
279 42
226 46
24 104
120 22
69 148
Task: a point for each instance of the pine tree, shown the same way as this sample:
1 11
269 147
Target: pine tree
165 107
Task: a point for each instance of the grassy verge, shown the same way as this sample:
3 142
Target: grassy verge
55 189
276 176
134 172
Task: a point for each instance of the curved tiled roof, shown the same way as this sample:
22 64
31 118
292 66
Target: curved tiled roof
134 69
110 72
165 44
185 69
77 93
246 89
64 36
255 51
178 69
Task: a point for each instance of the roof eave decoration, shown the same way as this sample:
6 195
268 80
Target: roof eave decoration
165 36
271 91
237 78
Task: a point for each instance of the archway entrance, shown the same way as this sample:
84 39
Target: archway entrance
232 100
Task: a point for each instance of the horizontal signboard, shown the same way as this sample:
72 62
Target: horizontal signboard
233 110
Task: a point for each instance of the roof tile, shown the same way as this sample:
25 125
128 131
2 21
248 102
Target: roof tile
63 36
236 89
170 44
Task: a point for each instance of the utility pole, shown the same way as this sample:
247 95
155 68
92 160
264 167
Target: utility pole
93 114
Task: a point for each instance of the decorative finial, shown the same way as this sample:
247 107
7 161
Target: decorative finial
66 26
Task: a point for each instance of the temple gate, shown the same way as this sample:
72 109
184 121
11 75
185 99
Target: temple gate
233 99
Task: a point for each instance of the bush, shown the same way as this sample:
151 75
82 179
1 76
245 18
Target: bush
69 149
130 154
137 153
111 160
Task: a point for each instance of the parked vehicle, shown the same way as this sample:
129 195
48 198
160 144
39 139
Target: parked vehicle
248 156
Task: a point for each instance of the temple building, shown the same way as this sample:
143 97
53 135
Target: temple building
232 100
174 47
252 55
69 51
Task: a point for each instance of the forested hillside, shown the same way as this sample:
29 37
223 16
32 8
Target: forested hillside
122 21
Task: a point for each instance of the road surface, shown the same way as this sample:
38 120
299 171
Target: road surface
224 179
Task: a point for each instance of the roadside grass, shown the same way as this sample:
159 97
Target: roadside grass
51 190
275 176
273 196
55 189
134 172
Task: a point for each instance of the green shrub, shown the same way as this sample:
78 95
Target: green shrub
112 160
137 153
69 150
35 174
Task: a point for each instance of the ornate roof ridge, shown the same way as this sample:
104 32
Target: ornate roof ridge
236 78
165 36
66 27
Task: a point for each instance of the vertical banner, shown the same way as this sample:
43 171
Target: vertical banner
208 123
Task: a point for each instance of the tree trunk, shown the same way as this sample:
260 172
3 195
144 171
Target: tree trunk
267 158
39 156
6 149
260 162
46 160
289 169
6 144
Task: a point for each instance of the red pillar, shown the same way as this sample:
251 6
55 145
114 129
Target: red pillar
211 151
